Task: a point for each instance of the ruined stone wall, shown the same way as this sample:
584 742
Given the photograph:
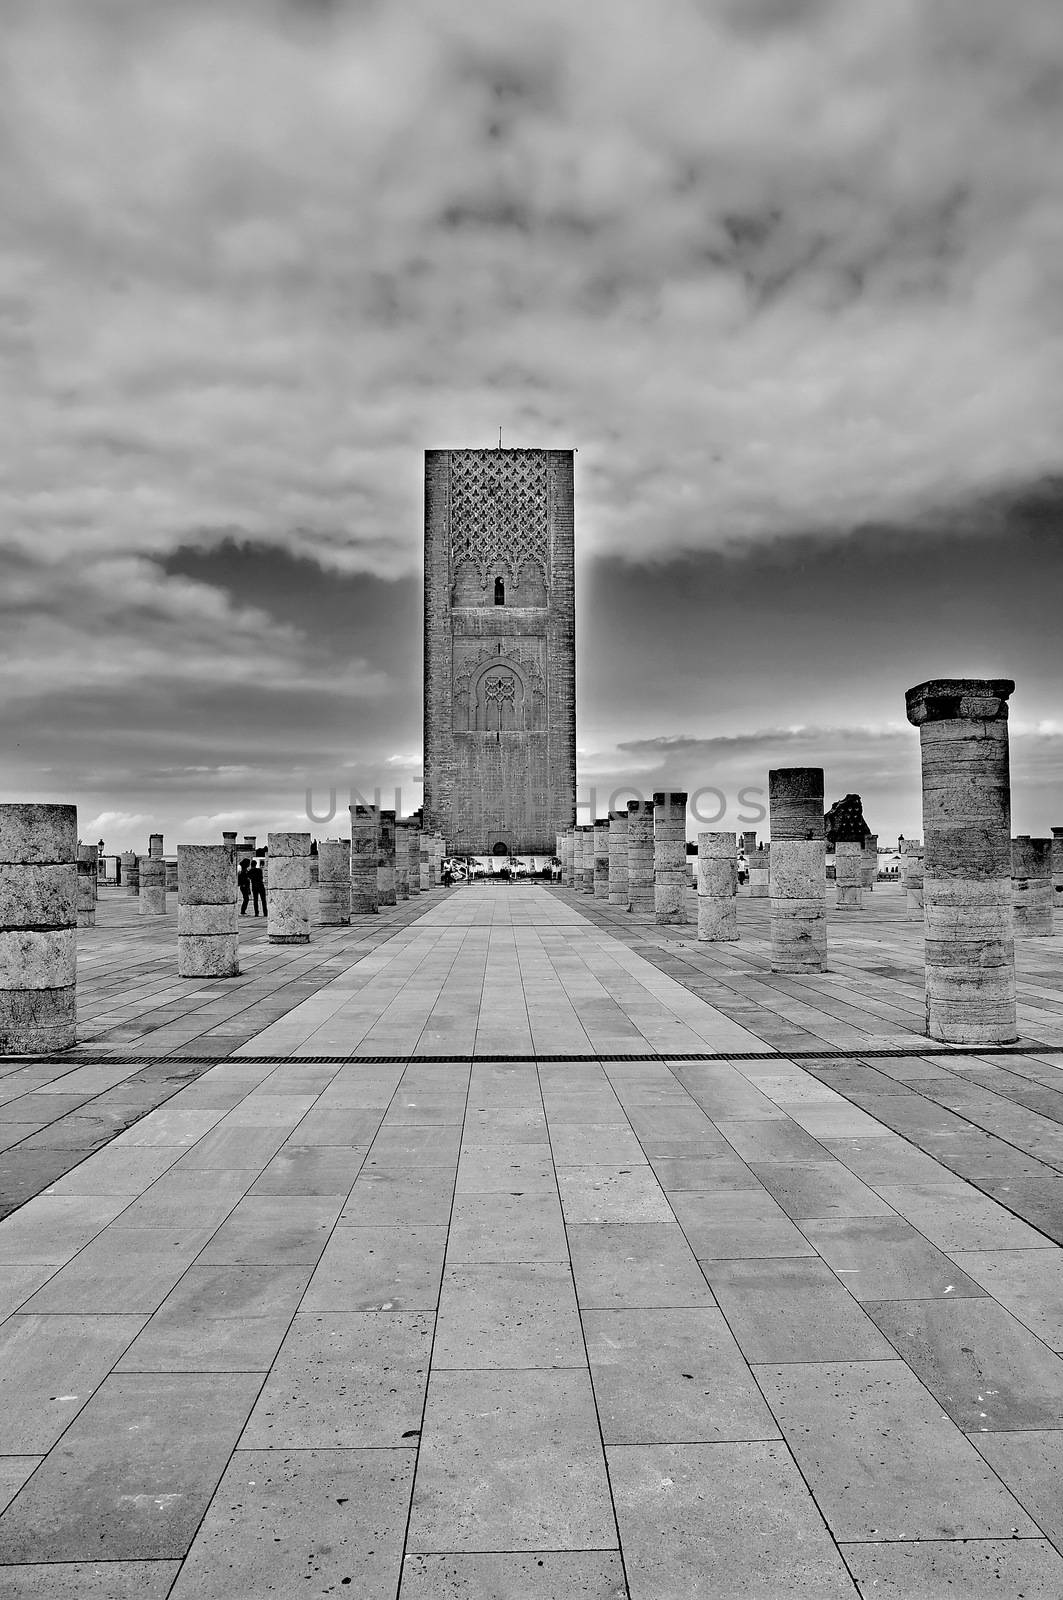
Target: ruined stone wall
499 708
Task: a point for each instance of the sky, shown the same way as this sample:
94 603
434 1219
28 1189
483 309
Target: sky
788 274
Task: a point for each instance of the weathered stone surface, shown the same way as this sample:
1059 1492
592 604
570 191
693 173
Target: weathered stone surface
670 874
207 938
759 864
500 731
870 877
155 843
1031 875
967 888
87 885
912 878
1057 865
364 848
601 858
618 895
387 894
130 872
848 874
152 884
288 903
795 800
640 857
586 858
717 886
798 859
844 822
334 881
38 933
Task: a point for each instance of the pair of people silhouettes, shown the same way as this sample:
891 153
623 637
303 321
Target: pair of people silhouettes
250 882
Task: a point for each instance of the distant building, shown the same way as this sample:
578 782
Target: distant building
499 649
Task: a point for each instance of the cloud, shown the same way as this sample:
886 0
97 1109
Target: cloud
767 265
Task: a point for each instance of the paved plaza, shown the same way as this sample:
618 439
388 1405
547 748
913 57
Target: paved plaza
731 1287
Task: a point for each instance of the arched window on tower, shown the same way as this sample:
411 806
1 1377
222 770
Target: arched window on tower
500 592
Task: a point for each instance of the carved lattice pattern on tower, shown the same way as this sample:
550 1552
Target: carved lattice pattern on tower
498 511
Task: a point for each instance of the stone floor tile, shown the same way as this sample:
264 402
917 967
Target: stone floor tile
338 1125
735 1226
510 1460
133 1473
721 1521
344 1380
960 1218
414 1147
793 1310
50 1366
506 1168
378 1269
609 1144
123 1269
1030 1463
885 1258
987 1371
612 1194
284 1520
299 1169
88 1580
772 1139
819 1189
702 1173
978 1569
268 1228
549 1575
882 1459
55 1227
672 1376
14 1470
508 1314
399 1196
507 1227
620 1265
1028 1282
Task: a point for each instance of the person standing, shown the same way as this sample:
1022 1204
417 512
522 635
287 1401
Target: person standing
243 883
258 885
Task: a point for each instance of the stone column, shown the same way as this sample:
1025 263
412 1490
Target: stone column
152 885
413 847
249 844
208 944
385 873
288 900
130 872
228 839
334 881
601 858
364 848
1031 886
38 928
402 862
870 861
1057 865
641 897
171 876
912 878
88 883
970 946
670 857
425 863
439 845
759 863
749 844
797 880
618 858
849 874
566 857
717 886
155 845
586 858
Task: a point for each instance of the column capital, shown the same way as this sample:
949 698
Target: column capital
959 699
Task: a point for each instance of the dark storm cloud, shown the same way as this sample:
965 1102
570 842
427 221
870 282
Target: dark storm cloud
775 268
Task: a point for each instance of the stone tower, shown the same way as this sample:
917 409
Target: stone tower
499 649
